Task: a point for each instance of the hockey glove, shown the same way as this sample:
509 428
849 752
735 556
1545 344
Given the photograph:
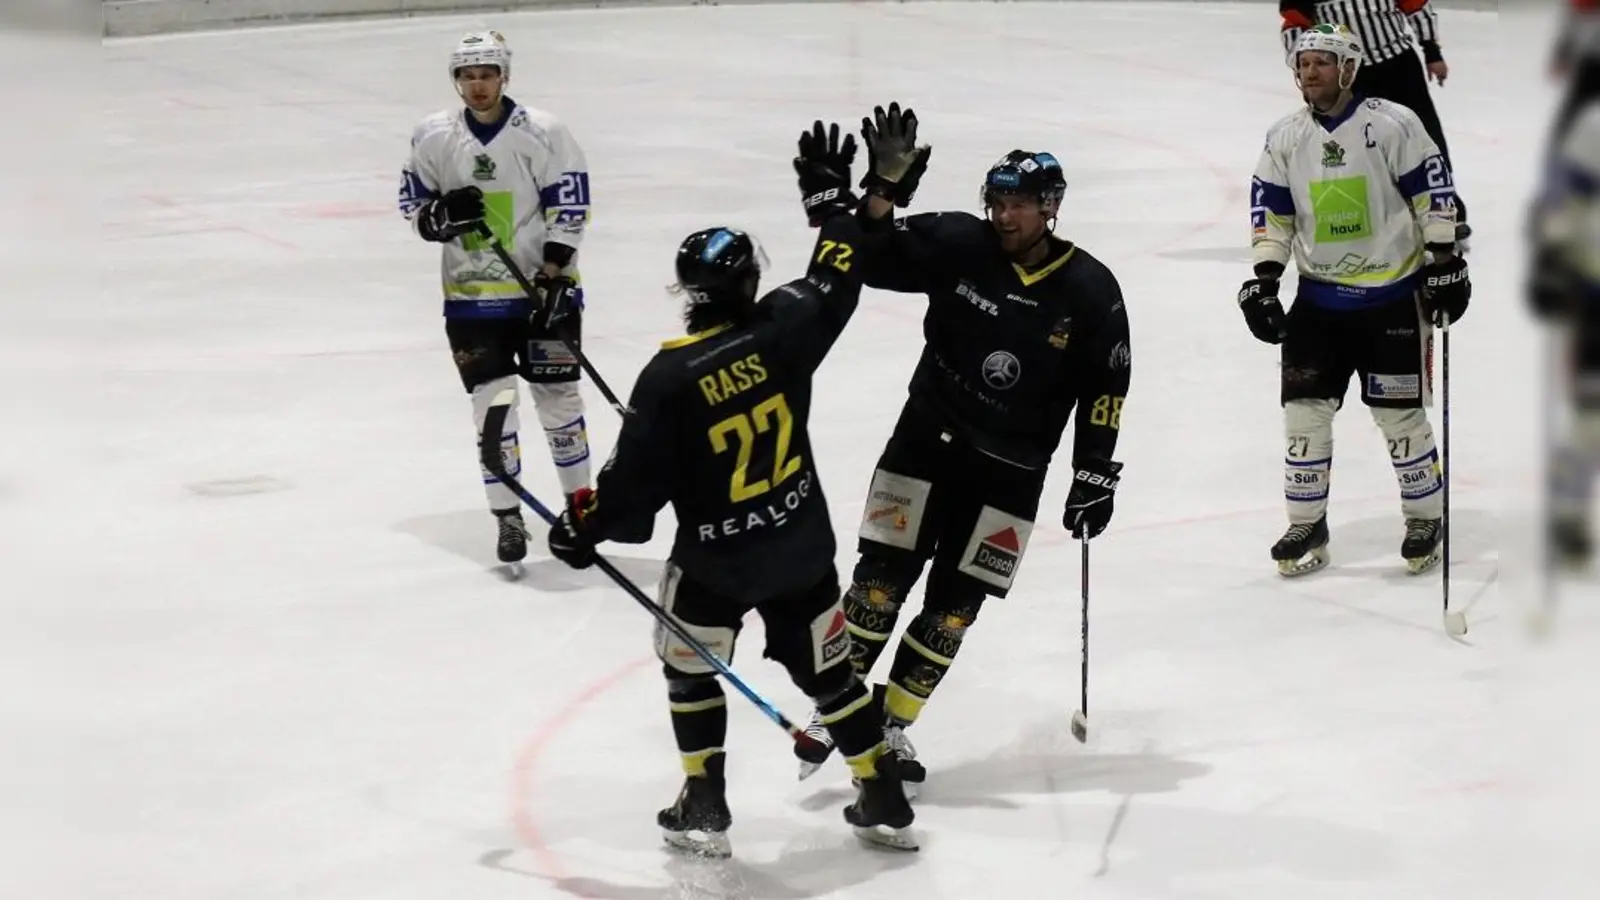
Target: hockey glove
557 297
447 218
1258 299
1089 503
1553 286
823 165
895 162
1445 289
569 541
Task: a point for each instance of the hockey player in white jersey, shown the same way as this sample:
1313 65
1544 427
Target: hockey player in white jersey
1359 195
519 171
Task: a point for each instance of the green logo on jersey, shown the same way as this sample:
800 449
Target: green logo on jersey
1332 155
483 167
1340 205
498 210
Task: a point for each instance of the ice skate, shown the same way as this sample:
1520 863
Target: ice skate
1303 549
912 773
881 815
698 822
513 545
814 752
1423 547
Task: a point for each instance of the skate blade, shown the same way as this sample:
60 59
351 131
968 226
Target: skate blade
1311 562
808 769
704 844
883 837
512 571
1424 564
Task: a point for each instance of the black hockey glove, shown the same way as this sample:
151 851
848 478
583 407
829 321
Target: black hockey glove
569 542
447 218
823 165
1445 289
1258 299
557 297
1089 503
894 161
1553 285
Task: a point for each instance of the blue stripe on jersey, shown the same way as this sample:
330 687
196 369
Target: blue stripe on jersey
499 308
1433 174
1575 182
414 194
1273 198
1346 297
572 191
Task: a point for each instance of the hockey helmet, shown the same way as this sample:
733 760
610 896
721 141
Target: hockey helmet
482 48
718 263
1026 173
1336 39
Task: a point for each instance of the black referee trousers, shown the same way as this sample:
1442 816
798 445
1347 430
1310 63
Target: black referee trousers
1402 81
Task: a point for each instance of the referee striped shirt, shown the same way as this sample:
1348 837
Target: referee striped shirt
1384 27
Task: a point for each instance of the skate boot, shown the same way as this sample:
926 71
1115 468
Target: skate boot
1423 546
912 773
813 752
1571 545
513 544
698 822
1303 549
881 814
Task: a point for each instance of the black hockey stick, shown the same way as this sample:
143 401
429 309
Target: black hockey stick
533 297
493 423
1080 719
1455 623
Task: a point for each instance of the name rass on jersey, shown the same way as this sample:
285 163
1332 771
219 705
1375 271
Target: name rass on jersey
737 434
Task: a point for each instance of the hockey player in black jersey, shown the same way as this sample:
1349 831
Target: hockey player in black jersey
1022 328
718 430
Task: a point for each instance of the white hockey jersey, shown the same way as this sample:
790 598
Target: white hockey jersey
535 186
1354 200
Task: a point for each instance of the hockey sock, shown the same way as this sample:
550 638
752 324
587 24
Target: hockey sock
1416 461
1308 460
927 650
856 725
699 720
560 409
870 612
500 496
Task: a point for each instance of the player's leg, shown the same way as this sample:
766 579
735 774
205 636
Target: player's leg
552 372
1396 375
699 819
1314 375
485 352
806 632
1577 453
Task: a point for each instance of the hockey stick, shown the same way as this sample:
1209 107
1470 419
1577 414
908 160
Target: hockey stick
533 296
1080 719
494 422
1455 623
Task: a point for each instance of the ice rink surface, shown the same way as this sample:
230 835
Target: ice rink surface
253 596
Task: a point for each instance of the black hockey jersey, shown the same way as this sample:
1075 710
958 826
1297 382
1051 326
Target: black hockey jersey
1009 353
718 429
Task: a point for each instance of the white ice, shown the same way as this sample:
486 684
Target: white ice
256 648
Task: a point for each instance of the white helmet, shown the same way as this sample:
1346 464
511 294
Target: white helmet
482 48
1335 39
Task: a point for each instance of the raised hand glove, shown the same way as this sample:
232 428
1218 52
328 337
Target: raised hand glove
568 540
895 162
1258 299
557 296
448 217
1446 288
1089 503
823 165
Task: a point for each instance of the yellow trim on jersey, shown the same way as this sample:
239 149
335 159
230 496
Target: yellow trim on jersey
1029 279
695 338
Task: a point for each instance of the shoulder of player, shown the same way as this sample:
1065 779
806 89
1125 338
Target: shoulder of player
535 122
1094 276
438 123
1290 128
1389 118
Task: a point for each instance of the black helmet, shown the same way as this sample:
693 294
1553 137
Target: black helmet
1028 173
718 264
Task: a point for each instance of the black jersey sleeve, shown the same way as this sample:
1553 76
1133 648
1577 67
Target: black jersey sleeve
814 310
639 478
1103 366
914 254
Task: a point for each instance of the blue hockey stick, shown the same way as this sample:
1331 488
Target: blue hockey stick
493 424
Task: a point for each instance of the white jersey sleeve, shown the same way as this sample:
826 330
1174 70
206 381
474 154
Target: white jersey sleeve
419 179
1418 169
1271 205
565 182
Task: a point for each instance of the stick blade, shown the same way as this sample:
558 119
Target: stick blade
1455 624
1080 727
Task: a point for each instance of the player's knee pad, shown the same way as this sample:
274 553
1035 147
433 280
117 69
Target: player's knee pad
680 658
1413 453
877 591
1308 456
894 511
560 408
